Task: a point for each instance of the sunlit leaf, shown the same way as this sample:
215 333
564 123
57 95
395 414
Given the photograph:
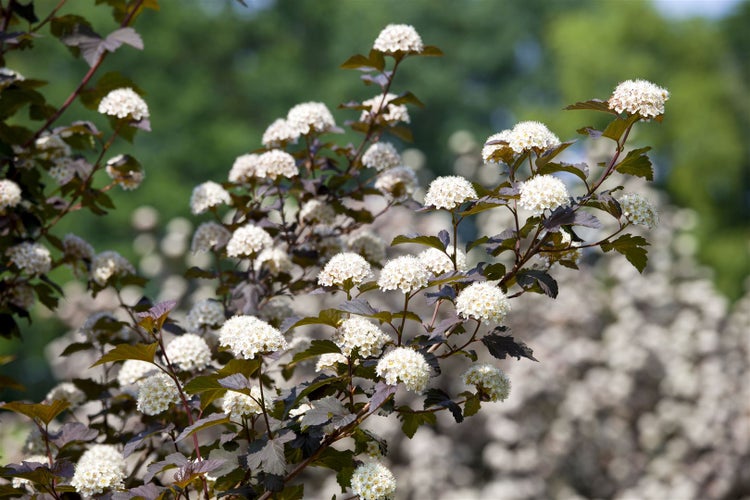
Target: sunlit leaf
45 412
123 352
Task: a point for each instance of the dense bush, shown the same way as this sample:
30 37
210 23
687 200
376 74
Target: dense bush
227 399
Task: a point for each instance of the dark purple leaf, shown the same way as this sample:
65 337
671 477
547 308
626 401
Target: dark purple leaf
501 346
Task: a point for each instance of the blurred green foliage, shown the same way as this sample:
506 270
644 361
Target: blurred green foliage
216 74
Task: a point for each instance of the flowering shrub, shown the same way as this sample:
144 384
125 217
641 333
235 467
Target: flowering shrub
249 390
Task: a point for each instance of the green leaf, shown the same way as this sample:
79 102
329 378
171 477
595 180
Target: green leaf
431 51
581 170
331 317
203 384
428 241
357 61
631 247
123 352
618 126
593 104
45 412
637 163
334 459
407 98
412 420
317 348
472 406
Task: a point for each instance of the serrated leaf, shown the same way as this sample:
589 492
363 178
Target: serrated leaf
580 170
567 216
123 352
413 420
631 247
317 348
331 317
529 278
438 397
334 459
501 346
593 104
204 423
637 163
382 392
202 384
322 411
472 406
271 458
45 412
139 438
428 241
358 306
74 432
153 319
357 61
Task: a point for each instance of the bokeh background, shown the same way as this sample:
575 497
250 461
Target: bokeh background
216 73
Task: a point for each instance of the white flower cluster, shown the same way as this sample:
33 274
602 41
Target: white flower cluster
489 149
368 245
32 258
317 212
381 156
124 103
133 370
398 38
208 195
206 313
488 379
100 468
329 360
638 210
66 391
209 236
543 192
243 168
393 113
440 263
10 194
345 268
63 172
189 352
373 481
247 336
406 366
124 170
156 393
279 133
359 333
276 163
397 183
483 301
77 248
108 264
238 405
311 117
449 192
248 240
532 135
406 273
275 260
639 97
